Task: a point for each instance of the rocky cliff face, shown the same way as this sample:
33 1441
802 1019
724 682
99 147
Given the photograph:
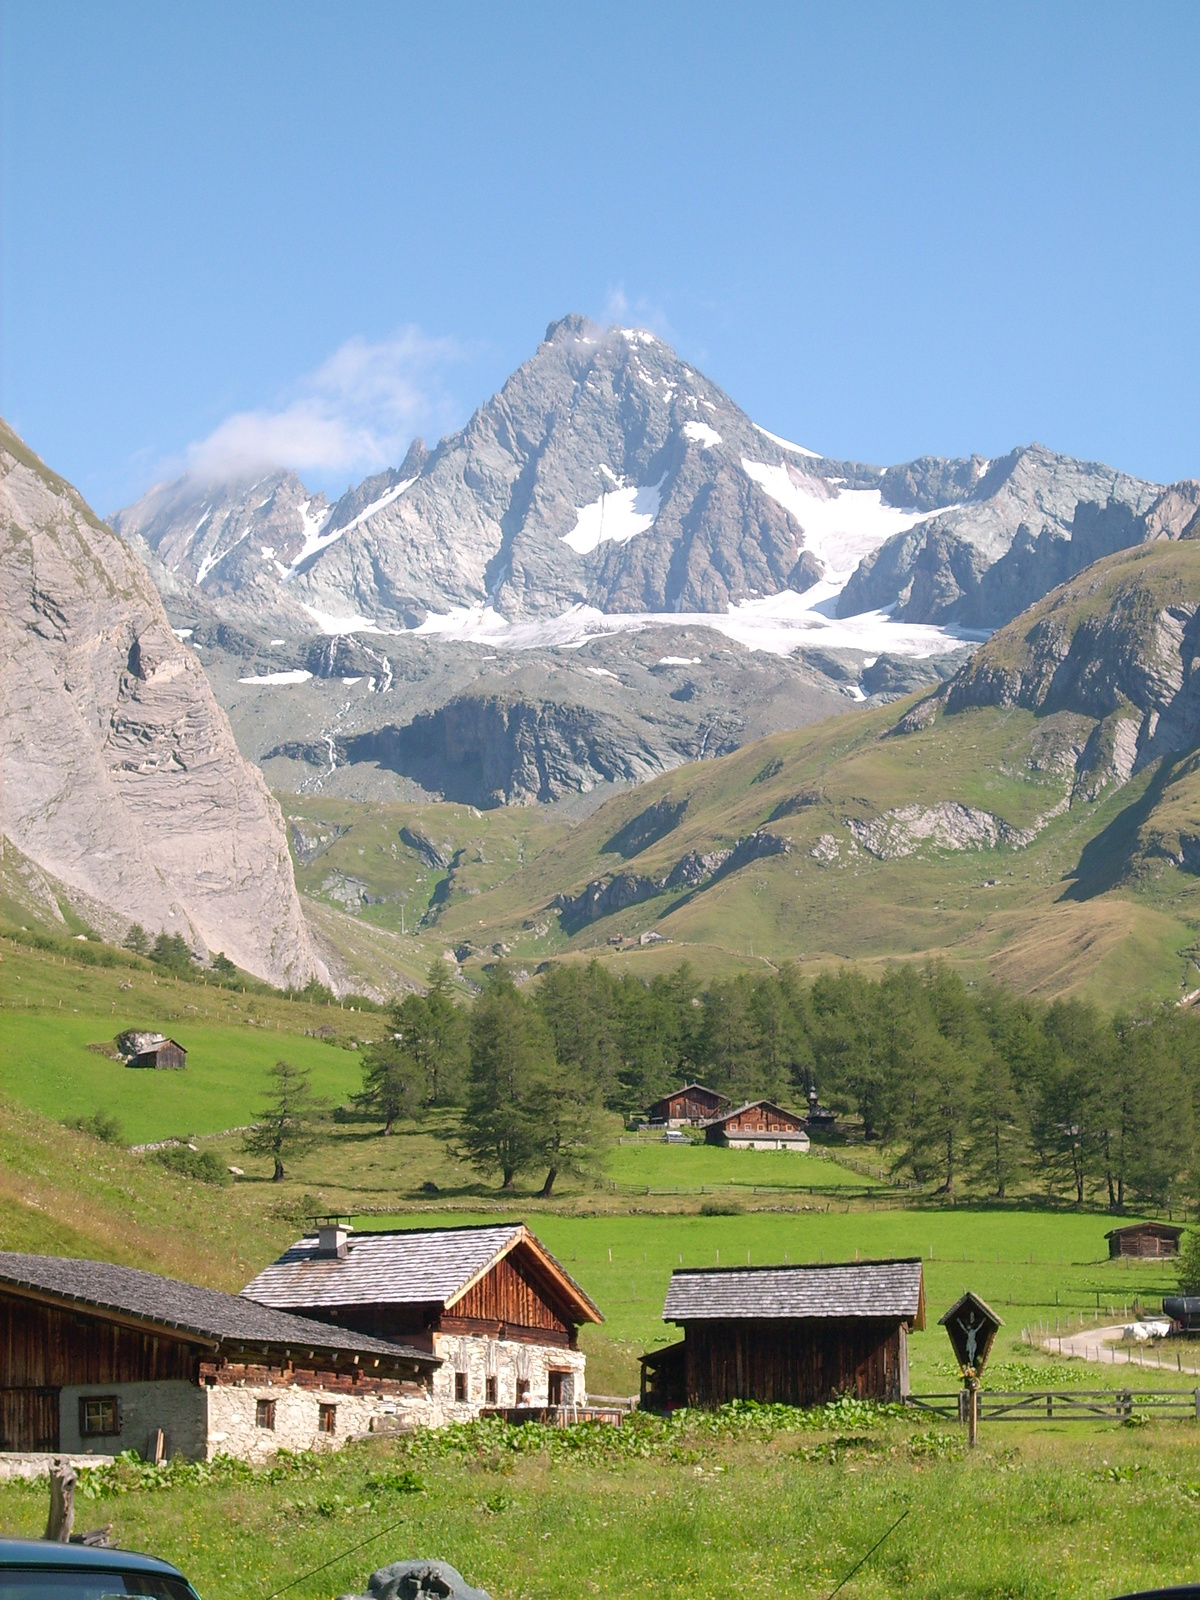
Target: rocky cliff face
1031 522
1120 644
122 781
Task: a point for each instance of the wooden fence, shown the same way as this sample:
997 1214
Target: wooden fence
1063 1405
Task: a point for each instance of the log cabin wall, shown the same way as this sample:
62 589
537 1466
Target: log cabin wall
793 1362
763 1119
511 1294
44 1346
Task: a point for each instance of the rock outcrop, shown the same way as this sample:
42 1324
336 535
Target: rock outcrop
1033 521
122 780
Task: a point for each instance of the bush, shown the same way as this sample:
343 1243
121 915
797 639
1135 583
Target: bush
100 1125
720 1208
200 1165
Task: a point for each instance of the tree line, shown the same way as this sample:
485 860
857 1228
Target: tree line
969 1089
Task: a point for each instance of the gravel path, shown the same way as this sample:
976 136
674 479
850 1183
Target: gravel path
1092 1344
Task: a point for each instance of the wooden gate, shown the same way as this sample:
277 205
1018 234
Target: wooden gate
28 1419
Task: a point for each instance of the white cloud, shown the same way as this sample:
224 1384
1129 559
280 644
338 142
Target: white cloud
355 413
640 312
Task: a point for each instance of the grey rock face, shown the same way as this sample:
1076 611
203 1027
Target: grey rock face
121 776
1032 521
419 1580
232 540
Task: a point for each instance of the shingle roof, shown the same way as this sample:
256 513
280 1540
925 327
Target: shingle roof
170 1303
412 1266
837 1289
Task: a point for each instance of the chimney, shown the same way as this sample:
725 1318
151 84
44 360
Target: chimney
331 1239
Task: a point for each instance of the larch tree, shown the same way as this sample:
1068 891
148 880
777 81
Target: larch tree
289 1124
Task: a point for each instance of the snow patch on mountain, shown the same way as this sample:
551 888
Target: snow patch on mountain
329 622
210 561
384 500
618 516
314 540
786 444
700 433
297 675
841 526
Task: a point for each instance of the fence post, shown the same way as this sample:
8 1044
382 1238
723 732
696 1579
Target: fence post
1196 1397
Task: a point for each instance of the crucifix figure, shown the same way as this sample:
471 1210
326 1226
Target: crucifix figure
972 1329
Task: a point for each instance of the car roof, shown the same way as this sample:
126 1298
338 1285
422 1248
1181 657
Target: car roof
48 1553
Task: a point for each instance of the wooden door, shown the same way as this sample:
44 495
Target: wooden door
29 1419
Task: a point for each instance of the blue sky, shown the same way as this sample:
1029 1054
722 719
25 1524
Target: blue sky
315 229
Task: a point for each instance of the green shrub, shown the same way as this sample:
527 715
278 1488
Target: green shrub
721 1208
100 1125
200 1165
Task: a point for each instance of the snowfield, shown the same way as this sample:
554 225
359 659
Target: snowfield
779 624
840 526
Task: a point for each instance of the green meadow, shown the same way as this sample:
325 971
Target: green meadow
696 1509
673 1168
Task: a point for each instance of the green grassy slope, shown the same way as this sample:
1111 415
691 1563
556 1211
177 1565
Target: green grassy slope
55 1008
1096 902
1004 911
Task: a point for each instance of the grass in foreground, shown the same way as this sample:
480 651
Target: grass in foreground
707 1506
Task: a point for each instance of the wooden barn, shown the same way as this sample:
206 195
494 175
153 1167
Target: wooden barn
96 1359
491 1303
759 1125
794 1335
689 1106
1144 1239
154 1050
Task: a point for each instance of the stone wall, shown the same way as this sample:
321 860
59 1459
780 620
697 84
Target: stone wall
174 1405
233 1416
510 1362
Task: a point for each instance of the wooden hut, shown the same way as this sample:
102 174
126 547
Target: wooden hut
758 1125
794 1335
491 1302
1144 1239
689 1106
153 1050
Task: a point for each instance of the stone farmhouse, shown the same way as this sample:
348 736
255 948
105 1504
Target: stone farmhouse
491 1304
96 1359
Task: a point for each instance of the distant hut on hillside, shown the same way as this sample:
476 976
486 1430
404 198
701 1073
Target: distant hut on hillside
691 1105
758 1125
153 1050
1144 1239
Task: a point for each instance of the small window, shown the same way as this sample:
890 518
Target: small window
522 1391
99 1416
555 1385
460 1386
490 1388
327 1419
264 1413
